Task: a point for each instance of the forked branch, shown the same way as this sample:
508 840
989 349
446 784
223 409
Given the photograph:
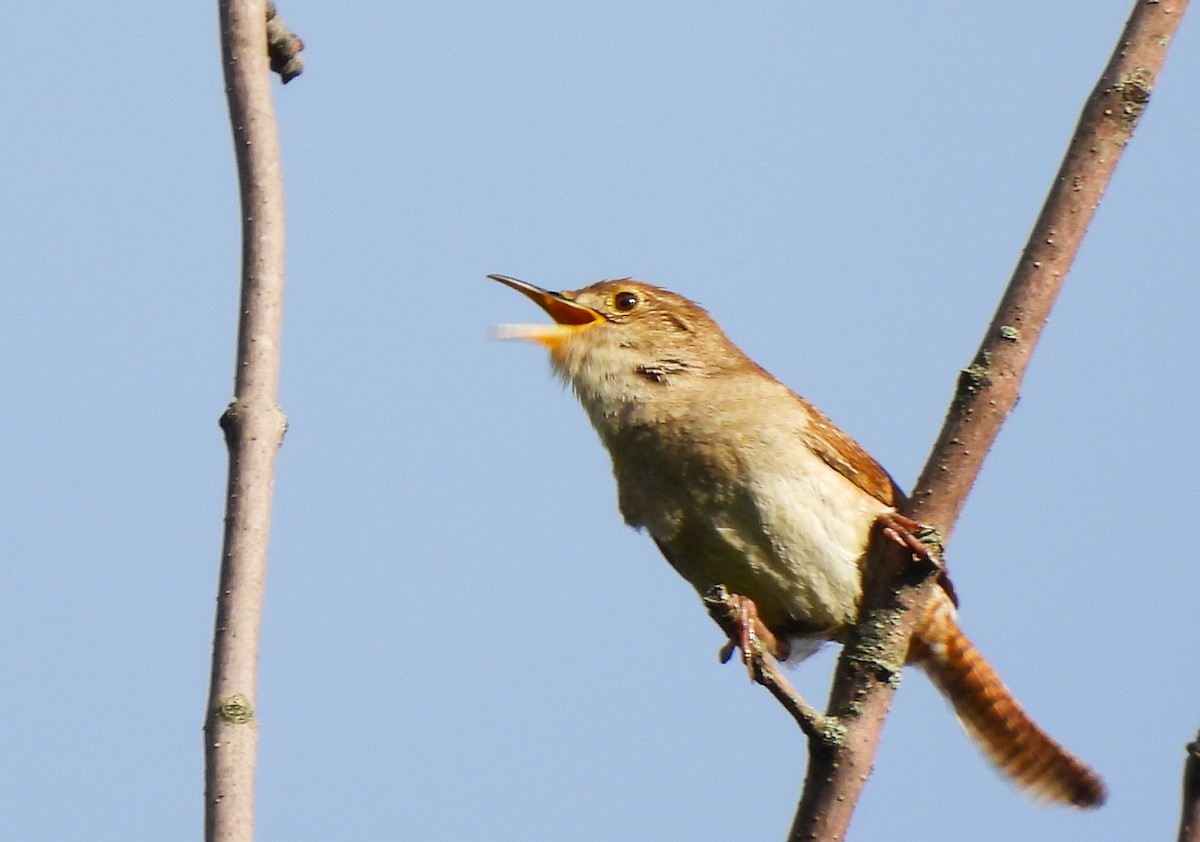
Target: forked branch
986 393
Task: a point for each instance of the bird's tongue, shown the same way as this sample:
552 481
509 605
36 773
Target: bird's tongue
552 335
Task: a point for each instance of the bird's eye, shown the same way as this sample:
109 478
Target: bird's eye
625 300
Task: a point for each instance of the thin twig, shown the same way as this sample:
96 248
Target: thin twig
987 391
253 426
725 609
821 730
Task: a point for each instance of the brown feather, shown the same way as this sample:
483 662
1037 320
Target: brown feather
990 714
717 461
846 456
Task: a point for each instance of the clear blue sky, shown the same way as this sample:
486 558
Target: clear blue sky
462 640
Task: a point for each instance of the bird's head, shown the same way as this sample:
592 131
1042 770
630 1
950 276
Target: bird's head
624 336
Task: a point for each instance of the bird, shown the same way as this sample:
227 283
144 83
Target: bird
744 484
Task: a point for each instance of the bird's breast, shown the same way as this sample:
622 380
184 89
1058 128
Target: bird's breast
758 513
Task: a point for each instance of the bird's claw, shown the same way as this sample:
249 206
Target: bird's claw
922 541
738 616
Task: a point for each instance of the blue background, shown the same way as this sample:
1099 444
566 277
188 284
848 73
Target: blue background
461 639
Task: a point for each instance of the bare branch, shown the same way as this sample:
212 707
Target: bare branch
989 387
253 426
1189 820
725 608
987 391
867 676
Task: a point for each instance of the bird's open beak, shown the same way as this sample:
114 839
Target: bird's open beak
569 317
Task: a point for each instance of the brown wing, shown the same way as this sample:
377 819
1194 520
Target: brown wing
846 456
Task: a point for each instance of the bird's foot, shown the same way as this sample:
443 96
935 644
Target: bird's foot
738 616
924 542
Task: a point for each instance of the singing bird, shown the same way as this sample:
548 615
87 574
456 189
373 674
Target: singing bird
743 483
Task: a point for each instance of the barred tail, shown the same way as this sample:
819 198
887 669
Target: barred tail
988 711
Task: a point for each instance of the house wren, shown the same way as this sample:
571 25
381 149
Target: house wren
742 483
